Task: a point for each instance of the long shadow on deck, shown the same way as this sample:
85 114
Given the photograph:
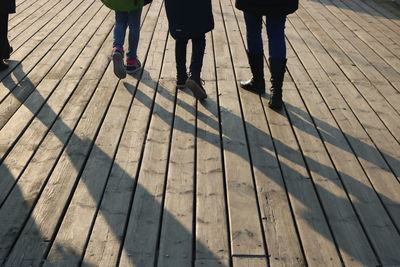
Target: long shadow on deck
288 153
41 244
19 227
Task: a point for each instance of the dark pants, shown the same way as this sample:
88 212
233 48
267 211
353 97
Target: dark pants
4 45
198 48
275 34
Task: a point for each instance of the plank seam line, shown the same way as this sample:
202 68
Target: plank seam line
249 256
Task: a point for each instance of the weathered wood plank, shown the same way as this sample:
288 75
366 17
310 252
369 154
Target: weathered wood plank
249 262
283 243
363 139
176 237
34 103
212 244
50 207
36 35
142 234
315 235
245 225
108 230
92 182
13 97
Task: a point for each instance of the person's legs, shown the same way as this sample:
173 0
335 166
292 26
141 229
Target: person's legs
198 49
4 45
276 36
194 82
277 58
253 33
180 59
255 54
121 22
134 33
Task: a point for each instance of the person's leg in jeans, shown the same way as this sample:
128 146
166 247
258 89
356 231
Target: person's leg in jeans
132 62
180 59
277 58
253 33
255 54
194 82
276 36
121 23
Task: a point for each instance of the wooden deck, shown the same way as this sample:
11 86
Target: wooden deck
97 171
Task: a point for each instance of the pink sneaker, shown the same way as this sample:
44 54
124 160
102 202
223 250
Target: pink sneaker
133 65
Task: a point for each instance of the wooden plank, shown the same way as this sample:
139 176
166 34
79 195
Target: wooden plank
176 236
249 262
90 190
50 207
211 263
32 106
24 196
331 51
359 53
315 235
245 225
108 231
14 96
283 243
340 213
25 10
35 36
359 138
76 224
141 239
383 59
43 23
386 146
386 12
212 244
376 24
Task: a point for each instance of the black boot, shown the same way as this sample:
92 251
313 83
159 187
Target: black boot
195 84
3 65
277 68
257 83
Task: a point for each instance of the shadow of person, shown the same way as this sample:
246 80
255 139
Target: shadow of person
300 187
25 240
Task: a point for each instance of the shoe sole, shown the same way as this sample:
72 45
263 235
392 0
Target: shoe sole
197 91
119 68
133 71
180 86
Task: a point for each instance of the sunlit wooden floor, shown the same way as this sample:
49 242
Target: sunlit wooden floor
97 171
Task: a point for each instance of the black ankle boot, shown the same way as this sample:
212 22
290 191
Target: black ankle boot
3 65
257 83
277 68
181 80
195 84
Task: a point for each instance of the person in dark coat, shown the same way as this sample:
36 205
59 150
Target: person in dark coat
190 20
275 12
7 7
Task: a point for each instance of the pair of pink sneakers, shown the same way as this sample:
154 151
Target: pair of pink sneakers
120 70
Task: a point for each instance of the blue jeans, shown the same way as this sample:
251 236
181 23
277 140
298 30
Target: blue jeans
275 34
122 21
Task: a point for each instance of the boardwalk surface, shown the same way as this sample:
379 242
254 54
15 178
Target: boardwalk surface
97 171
